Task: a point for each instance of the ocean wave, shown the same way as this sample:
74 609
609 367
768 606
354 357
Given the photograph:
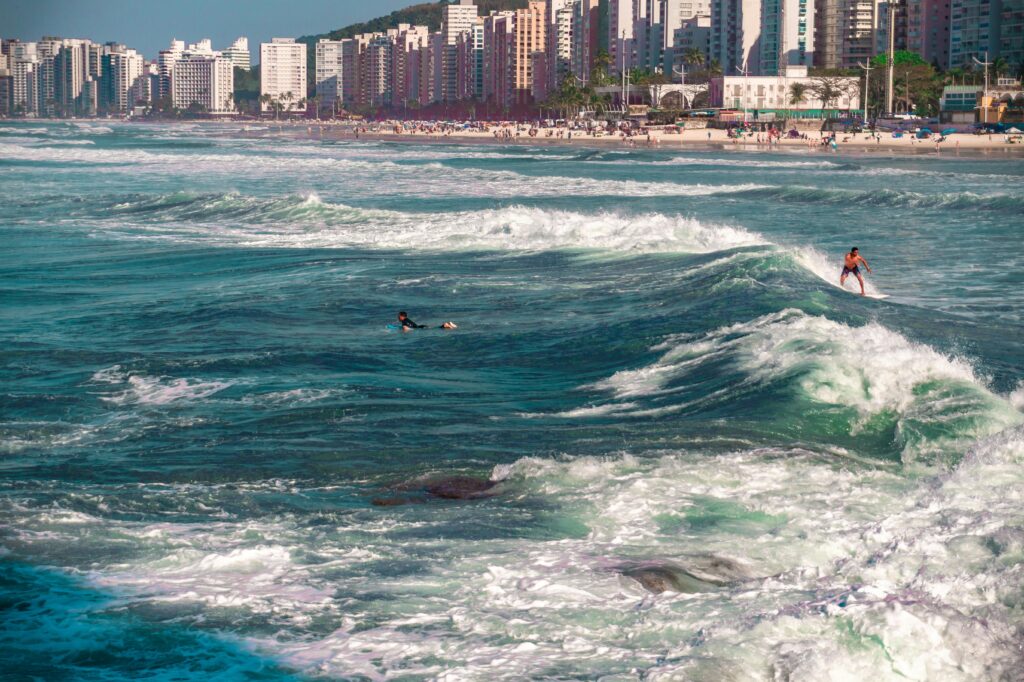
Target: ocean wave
741 162
311 222
21 130
145 390
816 570
932 404
380 178
998 202
293 397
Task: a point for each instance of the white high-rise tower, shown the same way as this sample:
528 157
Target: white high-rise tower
283 72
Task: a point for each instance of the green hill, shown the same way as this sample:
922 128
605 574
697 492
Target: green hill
424 14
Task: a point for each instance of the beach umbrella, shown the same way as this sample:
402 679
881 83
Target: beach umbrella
1013 130
926 130
949 131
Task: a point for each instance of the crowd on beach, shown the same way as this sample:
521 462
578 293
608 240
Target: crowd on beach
631 134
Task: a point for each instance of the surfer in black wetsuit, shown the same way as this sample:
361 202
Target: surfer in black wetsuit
407 324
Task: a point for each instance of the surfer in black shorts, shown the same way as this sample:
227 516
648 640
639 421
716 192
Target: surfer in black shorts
851 265
407 324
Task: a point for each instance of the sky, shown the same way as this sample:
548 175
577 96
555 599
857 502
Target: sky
149 25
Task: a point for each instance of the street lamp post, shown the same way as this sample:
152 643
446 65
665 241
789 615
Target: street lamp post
867 85
681 72
984 95
746 88
891 58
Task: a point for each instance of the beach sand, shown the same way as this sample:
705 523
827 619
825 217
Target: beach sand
993 145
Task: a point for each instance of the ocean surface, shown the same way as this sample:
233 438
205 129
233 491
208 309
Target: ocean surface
709 462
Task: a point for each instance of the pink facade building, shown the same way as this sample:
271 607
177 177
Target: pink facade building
928 29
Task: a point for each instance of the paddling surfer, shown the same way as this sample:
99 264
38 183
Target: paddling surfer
407 324
851 265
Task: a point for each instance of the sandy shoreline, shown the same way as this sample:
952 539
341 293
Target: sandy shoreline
992 146
978 146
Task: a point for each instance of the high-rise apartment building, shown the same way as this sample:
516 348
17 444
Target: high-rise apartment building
410 49
735 35
46 51
203 79
762 37
1011 36
283 73
848 32
975 30
695 33
530 31
329 71
70 73
122 83
619 20
238 53
375 70
6 80
927 30
585 37
558 47
499 30
787 35
457 18
23 60
165 65
470 50
352 50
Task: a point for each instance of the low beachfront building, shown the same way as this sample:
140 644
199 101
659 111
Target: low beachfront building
969 104
792 95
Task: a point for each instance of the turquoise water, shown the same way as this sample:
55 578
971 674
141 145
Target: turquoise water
217 461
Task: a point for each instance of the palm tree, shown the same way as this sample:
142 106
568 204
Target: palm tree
694 57
828 89
599 72
266 100
1000 66
797 93
714 68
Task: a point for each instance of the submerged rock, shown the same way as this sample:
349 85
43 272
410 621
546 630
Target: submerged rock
423 490
702 573
658 578
460 487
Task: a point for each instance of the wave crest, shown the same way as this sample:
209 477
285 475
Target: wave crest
877 382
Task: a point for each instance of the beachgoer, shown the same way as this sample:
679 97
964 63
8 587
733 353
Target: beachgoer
851 265
407 324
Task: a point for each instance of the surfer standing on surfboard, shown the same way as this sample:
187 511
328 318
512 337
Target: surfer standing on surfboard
851 265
